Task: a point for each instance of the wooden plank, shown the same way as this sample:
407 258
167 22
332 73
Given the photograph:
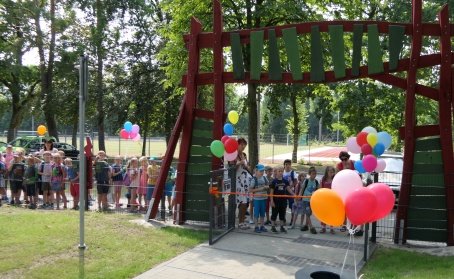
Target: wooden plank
201 141
317 71
427 214
357 45
197 179
274 61
428 179
428 144
431 235
200 124
433 202
427 224
200 150
428 157
293 53
208 134
199 168
428 168
428 190
237 56
256 54
395 43
374 54
199 159
336 34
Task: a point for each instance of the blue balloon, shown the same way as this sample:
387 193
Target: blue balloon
128 126
379 149
359 166
385 139
228 129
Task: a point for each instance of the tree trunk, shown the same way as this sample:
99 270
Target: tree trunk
320 124
296 130
74 132
100 24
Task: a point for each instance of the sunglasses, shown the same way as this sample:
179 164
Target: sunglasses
344 158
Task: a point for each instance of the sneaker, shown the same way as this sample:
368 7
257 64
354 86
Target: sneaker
263 229
283 230
313 231
291 224
273 229
267 223
257 230
332 231
343 229
251 221
304 228
359 233
247 213
323 230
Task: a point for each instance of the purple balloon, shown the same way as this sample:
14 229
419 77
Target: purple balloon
135 129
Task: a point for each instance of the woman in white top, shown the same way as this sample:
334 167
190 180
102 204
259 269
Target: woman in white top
48 146
243 180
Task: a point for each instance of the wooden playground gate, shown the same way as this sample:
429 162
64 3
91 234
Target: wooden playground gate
426 206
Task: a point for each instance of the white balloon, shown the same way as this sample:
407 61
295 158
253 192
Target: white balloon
345 182
369 130
353 146
381 165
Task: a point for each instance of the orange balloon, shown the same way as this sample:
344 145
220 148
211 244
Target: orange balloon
328 207
41 130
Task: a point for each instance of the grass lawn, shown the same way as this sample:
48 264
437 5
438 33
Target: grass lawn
394 263
43 244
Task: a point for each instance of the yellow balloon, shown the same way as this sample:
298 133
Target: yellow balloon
41 130
328 207
372 139
233 117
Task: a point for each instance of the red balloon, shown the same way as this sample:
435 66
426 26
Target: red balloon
360 205
361 138
231 145
385 200
124 134
224 139
366 149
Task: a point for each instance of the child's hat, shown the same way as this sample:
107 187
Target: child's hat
260 167
268 168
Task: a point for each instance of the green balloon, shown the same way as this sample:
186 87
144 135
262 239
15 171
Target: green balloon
217 148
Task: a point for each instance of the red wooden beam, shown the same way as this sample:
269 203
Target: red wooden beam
421 131
422 90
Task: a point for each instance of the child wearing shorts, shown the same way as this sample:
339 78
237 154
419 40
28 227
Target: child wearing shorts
72 175
117 179
2 182
30 178
17 170
297 208
310 185
259 187
57 183
45 170
153 172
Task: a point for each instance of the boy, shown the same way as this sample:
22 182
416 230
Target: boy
153 172
72 174
291 176
102 174
8 158
279 186
2 182
31 176
45 170
310 185
17 170
259 186
57 180
269 176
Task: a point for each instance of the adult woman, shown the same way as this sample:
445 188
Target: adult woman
243 178
48 146
345 163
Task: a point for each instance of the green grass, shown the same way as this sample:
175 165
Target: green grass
43 244
394 263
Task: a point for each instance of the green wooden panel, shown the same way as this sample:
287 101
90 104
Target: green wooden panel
336 34
428 180
197 216
427 235
317 71
237 56
396 41
208 134
434 202
429 224
201 197
201 141
428 144
197 180
200 150
374 53
428 168
199 159
256 54
426 214
293 53
428 157
357 45
428 190
274 62
200 124
198 168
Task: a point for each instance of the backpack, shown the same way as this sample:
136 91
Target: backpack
256 182
126 179
306 181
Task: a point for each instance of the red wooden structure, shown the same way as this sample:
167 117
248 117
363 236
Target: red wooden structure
218 39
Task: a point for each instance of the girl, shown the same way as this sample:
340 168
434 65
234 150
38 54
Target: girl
243 178
298 204
134 176
142 191
327 179
72 175
117 179
57 185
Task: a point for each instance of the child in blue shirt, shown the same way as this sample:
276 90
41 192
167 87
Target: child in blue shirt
259 186
310 185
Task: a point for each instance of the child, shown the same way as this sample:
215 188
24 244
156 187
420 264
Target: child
290 175
259 186
169 187
72 175
17 170
279 186
45 170
298 203
57 181
8 159
327 179
117 179
142 191
309 186
31 176
269 177
134 176
153 172
2 182
102 174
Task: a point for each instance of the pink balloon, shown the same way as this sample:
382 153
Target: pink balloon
224 139
385 200
353 146
230 156
366 149
124 134
345 182
136 138
360 205
381 165
369 162
132 135
135 129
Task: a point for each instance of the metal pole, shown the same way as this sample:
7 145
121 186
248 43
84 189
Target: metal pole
337 133
83 90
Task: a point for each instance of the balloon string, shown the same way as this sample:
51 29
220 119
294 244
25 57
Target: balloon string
346 253
354 258
351 232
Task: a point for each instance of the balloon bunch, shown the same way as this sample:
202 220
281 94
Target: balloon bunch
41 130
130 131
372 145
347 196
227 146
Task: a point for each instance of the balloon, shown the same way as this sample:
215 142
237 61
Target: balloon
233 117
385 139
353 146
231 145
369 130
360 206
127 126
369 162
361 138
124 134
372 139
231 156
132 135
135 128
345 182
385 200
328 207
217 148
381 165
379 149
366 149
41 130
228 129
136 138
224 139
359 166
